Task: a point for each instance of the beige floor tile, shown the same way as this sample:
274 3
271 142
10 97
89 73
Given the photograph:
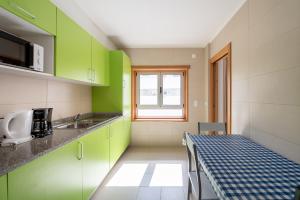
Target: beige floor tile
116 193
154 158
149 193
172 193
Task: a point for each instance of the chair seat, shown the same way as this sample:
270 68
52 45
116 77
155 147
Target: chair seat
207 191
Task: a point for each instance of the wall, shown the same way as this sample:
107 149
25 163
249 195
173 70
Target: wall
265 38
19 92
71 9
170 133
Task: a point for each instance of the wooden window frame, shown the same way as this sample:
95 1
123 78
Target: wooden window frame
225 52
174 68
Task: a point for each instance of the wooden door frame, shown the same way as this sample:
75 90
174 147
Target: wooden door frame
226 51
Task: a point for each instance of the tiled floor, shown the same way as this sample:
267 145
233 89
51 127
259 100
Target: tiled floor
147 174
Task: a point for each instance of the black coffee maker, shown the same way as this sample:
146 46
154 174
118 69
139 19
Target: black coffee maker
41 123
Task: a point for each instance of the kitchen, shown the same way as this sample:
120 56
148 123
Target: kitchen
92 108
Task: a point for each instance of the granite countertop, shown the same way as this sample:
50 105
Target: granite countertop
12 157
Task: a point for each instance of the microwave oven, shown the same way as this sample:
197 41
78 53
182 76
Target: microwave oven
17 52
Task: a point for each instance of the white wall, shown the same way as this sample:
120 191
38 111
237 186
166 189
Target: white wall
265 36
221 90
170 133
71 9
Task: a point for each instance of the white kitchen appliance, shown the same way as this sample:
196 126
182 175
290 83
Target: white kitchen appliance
15 128
17 52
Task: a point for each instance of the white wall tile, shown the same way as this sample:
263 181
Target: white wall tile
20 92
281 121
280 87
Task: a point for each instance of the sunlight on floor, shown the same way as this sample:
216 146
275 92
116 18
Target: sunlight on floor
167 175
128 175
164 175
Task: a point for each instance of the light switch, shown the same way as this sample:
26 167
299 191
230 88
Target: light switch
206 103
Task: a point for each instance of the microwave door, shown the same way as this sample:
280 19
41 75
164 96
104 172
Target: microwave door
14 51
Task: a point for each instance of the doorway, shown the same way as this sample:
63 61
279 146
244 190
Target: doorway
220 87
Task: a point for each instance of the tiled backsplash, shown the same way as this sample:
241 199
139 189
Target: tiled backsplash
18 92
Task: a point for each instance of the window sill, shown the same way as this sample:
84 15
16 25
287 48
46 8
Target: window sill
159 120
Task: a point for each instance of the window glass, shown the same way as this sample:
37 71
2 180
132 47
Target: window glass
171 85
160 94
148 89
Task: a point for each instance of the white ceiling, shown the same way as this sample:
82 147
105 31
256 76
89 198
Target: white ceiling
160 23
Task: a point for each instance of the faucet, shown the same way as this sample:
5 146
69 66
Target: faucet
77 117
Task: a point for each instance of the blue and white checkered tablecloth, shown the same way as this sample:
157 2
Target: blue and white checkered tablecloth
239 168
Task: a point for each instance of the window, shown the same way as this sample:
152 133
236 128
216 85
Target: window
159 93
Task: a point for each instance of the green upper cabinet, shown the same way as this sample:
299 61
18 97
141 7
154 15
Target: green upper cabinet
3 187
100 64
73 50
116 97
126 85
41 13
57 175
95 159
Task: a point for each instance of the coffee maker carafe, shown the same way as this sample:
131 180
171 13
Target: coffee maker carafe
41 123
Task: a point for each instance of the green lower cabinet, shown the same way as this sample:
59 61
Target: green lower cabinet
95 160
127 131
116 141
41 13
3 187
57 175
72 172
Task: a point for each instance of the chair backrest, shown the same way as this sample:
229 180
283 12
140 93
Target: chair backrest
193 156
190 145
215 126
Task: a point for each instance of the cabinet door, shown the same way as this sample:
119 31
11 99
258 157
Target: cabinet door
109 99
127 130
56 175
116 140
95 160
42 13
100 63
126 85
73 50
3 187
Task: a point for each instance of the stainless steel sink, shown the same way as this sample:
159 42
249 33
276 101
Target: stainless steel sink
84 123
81 124
74 126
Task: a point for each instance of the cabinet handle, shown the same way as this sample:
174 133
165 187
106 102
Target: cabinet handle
94 75
80 151
16 6
89 74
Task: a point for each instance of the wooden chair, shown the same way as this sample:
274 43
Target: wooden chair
197 180
211 127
